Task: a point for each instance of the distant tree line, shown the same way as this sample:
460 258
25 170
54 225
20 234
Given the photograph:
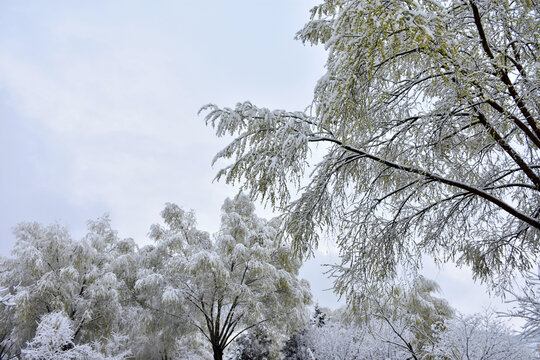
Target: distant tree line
188 295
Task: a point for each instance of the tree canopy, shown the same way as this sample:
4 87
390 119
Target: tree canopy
428 118
81 281
244 278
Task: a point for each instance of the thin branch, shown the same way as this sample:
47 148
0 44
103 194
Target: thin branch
240 332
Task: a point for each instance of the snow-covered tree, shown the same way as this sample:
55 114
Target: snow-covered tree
255 345
429 117
319 316
403 323
403 320
7 312
243 278
51 273
342 337
409 323
295 347
480 337
334 341
6 320
409 315
527 305
54 341
299 344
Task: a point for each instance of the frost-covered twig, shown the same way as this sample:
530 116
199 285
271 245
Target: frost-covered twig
6 297
527 305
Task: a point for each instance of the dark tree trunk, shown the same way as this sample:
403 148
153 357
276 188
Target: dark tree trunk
218 352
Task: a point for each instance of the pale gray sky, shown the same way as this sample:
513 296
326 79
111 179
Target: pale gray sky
99 101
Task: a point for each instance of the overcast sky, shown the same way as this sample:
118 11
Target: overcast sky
99 101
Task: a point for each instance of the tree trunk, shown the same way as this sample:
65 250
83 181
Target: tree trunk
218 352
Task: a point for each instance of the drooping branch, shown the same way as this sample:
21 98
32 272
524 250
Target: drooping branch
479 192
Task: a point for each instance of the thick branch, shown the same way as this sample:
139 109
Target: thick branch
474 190
508 149
503 74
516 121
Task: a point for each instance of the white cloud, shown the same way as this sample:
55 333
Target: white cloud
115 89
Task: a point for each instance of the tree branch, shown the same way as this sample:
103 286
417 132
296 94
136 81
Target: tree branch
476 191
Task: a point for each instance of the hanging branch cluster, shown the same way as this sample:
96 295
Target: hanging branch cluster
429 119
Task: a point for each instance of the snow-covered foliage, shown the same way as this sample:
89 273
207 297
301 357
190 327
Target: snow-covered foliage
387 337
527 305
83 280
480 337
255 345
243 278
324 338
404 319
7 316
6 320
102 296
5 297
54 341
428 115
340 338
334 342
409 314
